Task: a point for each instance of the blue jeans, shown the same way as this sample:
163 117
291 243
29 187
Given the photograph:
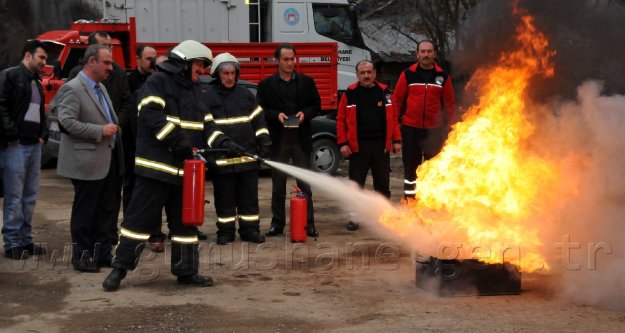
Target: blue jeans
21 164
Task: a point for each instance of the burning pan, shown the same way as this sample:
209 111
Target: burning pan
464 277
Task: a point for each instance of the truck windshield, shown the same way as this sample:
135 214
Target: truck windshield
337 23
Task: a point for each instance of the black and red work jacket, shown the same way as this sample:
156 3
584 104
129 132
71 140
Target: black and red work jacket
419 104
346 126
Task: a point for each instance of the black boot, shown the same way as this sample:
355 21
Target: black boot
196 280
225 232
250 232
111 283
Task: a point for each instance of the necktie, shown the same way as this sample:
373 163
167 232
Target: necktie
107 111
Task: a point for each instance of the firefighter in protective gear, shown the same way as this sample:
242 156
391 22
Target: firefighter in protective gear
235 180
172 120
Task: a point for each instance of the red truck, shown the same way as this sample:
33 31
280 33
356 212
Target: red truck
318 60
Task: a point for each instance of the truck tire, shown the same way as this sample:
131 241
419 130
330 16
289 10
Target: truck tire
325 156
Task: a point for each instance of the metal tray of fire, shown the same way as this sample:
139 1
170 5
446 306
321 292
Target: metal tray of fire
465 277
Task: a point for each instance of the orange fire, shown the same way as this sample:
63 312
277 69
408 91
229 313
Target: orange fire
479 195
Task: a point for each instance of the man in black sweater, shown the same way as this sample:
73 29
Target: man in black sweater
290 101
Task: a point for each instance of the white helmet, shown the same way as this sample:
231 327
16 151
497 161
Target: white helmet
223 58
191 50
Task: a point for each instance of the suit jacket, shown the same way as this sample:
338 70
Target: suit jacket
308 101
84 153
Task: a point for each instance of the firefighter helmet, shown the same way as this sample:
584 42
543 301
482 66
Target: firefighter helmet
191 50
223 58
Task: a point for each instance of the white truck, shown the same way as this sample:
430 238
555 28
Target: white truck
247 21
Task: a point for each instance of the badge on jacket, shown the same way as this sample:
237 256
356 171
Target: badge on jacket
439 80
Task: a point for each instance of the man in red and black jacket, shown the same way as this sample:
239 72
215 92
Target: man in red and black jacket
366 130
424 104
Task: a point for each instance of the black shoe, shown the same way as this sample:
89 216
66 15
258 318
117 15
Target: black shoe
111 283
196 280
16 253
34 250
201 235
86 266
274 231
253 237
351 226
225 239
312 232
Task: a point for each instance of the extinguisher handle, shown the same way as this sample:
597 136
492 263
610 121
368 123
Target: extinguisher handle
197 154
297 189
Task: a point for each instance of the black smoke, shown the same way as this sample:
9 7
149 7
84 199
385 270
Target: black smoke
587 36
25 19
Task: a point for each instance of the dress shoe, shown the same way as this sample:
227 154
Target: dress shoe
201 235
253 237
196 280
112 281
34 250
225 239
86 266
157 246
16 253
312 232
351 226
274 231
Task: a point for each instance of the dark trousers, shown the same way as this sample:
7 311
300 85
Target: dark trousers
371 155
418 144
236 195
290 148
157 235
93 222
146 206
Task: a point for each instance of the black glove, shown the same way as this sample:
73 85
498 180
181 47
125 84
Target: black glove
182 150
233 147
265 150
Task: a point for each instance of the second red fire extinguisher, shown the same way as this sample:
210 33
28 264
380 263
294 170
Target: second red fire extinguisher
299 213
193 182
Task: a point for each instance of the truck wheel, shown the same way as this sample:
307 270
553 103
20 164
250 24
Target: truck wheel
325 156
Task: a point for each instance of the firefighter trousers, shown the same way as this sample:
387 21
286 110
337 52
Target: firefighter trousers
418 145
236 196
144 211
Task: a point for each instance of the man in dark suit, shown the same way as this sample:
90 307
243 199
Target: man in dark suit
91 155
290 100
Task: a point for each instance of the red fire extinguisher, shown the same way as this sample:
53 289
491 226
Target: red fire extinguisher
193 191
299 213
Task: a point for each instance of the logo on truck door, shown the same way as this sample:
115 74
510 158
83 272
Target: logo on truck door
291 16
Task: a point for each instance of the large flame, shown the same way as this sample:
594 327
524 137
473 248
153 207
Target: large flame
485 184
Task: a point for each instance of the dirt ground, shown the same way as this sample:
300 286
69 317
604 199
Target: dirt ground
343 282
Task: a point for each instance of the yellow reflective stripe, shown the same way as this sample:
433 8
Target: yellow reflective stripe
134 235
173 119
151 99
226 219
230 121
262 131
249 217
184 239
256 112
212 138
234 160
196 125
158 166
192 125
208 118
164 131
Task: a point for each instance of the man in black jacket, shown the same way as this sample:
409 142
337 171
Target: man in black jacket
22 133
290 100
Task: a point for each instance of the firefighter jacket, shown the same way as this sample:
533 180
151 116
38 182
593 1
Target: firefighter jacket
346 126
15 95
419 103
239 117
172 120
